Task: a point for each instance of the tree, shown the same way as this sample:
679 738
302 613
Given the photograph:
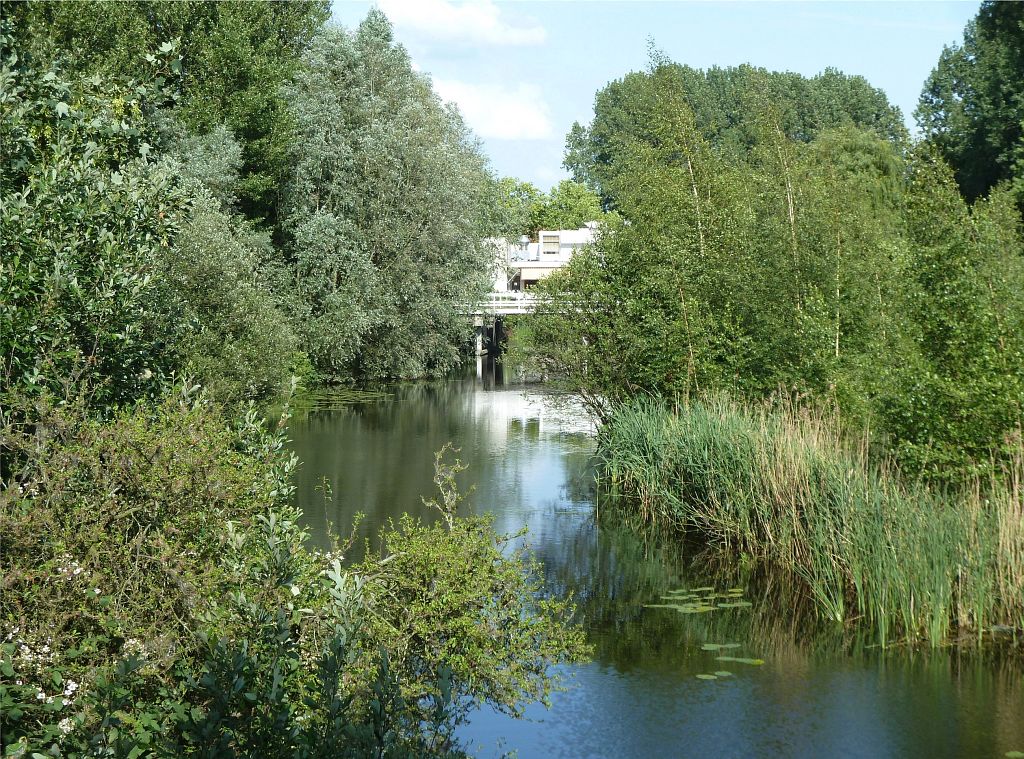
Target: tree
234 58
972 104
215 309
831 267
385 211
956 397
515 201
570 205
721 102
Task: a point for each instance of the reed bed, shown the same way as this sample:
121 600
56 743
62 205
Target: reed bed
782 483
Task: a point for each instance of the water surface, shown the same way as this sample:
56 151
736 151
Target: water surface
819 692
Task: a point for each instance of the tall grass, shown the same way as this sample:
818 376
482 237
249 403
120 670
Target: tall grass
781 483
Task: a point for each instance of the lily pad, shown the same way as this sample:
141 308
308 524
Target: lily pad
1012 754
736 604
723 673
703 590
706 677
719 646
737 590
741 660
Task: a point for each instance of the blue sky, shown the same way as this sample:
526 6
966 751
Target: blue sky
523 72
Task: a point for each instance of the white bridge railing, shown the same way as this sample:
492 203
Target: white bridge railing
504 304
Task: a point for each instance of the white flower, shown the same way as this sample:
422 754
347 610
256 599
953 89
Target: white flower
66 725
40 696
96 591
134 646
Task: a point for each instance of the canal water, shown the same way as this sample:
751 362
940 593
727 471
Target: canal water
793 687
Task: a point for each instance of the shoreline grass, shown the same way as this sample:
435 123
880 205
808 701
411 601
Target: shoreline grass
782 484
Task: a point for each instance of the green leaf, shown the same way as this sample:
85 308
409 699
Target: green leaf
741 660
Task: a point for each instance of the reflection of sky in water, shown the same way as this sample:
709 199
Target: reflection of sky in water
528 461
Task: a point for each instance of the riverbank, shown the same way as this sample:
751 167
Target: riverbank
529 457
782 484
162 598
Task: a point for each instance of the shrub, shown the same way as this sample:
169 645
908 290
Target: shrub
162 602
85 213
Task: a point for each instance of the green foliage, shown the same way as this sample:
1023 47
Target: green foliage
523 209
377 198
161 601
111 545
514 201
724 273
570 205
957 396
838 267
455 594
84 216
724 103
972 105
385 211
160 597
225 324
212 160
234 58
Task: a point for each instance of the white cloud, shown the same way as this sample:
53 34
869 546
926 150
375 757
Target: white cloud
475 23
499 112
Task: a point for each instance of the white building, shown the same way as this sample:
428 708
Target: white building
522 264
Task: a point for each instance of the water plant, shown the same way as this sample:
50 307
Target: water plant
782 484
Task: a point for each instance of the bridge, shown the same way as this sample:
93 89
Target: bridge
487 316
505 304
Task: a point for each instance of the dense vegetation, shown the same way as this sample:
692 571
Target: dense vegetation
785 485
159 600
780 240
200 201
524 210
972 106
307 166
844 267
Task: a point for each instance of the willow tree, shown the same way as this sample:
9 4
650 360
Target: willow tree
85 214
385 210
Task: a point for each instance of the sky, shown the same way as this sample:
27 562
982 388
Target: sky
522 72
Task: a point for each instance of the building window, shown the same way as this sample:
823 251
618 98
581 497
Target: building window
549 244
